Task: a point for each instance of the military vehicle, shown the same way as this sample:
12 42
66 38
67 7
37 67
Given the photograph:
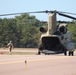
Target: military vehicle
56 39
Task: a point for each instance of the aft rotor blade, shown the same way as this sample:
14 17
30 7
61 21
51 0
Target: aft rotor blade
67 12
67 16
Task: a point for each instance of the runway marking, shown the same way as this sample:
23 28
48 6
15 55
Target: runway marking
40 59
46 59
11 62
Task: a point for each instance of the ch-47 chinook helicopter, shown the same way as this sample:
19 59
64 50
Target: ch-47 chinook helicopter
56 39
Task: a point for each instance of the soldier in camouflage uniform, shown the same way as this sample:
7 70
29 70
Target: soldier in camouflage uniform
10 46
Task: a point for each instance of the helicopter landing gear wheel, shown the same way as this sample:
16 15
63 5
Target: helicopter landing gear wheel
39 52
65 53
71 53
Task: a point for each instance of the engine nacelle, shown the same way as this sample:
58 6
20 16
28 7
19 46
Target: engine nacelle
63 29
43 30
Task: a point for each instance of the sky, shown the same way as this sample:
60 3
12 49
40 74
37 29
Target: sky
18 6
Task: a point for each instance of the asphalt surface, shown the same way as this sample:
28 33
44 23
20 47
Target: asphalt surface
37 65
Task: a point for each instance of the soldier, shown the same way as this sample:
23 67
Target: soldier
10 46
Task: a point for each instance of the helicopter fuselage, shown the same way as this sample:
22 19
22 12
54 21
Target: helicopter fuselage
56 39
55 44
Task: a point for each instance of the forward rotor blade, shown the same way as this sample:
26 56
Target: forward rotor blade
16 13
25 12
67 16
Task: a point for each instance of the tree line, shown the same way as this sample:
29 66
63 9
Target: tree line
23 31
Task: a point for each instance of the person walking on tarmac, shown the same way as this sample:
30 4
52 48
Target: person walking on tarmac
10 47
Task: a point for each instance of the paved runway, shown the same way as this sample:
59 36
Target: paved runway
37 65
